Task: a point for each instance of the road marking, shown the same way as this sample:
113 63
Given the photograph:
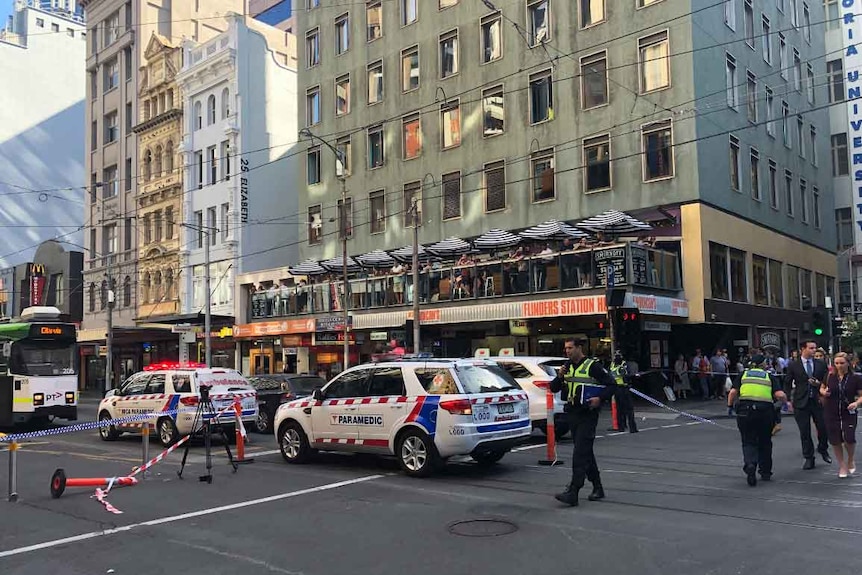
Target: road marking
670 426
260 453
183 516
526 447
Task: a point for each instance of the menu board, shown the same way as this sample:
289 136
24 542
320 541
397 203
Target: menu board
639 266
615 257
258 305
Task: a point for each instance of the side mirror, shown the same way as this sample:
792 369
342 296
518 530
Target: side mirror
6 350
317 394
112 393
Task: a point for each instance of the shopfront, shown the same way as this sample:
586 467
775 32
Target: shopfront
261 345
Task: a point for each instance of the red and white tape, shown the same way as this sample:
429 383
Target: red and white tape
100 496
159 457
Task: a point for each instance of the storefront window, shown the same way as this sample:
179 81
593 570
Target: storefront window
718 271
759 276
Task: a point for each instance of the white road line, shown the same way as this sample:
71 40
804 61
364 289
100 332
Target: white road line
260 453
183 516
526 447
670 426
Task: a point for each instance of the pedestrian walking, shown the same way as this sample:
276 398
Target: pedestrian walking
842 396
583 383
802 385
625 405
755 392
681 385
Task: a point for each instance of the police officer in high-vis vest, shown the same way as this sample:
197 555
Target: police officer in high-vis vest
755 391
583 383
625 406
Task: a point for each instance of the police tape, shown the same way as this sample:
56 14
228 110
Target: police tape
100 496
90 425
683 413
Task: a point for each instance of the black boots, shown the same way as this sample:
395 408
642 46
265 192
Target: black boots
597 494
569 496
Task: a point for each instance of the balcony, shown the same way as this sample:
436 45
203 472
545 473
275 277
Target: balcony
579 270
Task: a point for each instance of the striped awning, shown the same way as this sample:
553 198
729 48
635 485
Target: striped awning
376 259
307 268
614 223
496 239
336 265
405 254
553 230
450 247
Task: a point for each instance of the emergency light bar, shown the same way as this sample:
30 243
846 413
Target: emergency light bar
174 365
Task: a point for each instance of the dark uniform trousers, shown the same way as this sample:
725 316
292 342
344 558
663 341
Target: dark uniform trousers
755 420
625 409
583 423
803 417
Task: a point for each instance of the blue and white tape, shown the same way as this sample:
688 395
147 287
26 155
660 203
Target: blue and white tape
683 413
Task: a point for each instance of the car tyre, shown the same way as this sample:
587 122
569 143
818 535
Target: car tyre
416 453
263 421
107 432
293 443
167 430
488 458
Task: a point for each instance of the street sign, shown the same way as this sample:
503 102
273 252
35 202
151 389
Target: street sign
610 275
182 328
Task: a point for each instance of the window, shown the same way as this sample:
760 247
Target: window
109 240
542 174
199 166
800 136
735 172
597 159
376 155
815 206
377 203
129 118
765 40
844 223
127 61
755 174
449 54
770 112
342 95
40 22
211 110
594 80
375 82
158 225
111 130
451 195
776 284
835 73
342 34
91 298
409 12
112 75
794 13
198 119
312 48
110 182
411 136
312 4
224 151
94 85
389 381
840 157
539 21
760 279
833 17
128 174
313 166
794 299
412 191
730 13
788 192
410 69
112 28
773 185
541 97
809 82
312 106
806 22
803 200
373 20
797 71
812 139
751 97
199 225
212 166
657 149
127 292
148 229
225 103
592 12
654 62
730 80
782 55
493 113
494 175
225 221
785 125
169 223
492 38
351 384
345 148
157 162
450 124
738 279
315 225
718 271
211 225
748 22
94 135
345 218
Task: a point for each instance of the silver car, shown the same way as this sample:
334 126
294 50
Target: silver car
534 375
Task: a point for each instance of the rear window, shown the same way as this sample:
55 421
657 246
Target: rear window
485 379
516 370
551 367
437 380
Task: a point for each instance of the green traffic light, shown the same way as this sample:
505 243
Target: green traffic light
818 331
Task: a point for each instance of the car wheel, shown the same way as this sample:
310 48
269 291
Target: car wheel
263 421
488 457
416 453
167 431
107 432
293 443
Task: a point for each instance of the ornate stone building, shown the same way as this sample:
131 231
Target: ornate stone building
160 185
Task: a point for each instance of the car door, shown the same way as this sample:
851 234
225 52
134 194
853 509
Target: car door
129 401
332 420
385 408
153 399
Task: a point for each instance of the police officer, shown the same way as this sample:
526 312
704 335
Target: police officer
625 406
583 384
755 417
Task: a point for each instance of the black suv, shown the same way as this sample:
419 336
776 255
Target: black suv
275 389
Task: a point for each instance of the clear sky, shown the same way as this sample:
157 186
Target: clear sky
5 10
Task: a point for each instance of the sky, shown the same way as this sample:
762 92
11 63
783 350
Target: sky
5 10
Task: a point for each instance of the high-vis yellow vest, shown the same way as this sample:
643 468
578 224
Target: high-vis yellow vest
617 372
756 385
575 378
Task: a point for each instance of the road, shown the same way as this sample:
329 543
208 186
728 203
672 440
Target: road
677 502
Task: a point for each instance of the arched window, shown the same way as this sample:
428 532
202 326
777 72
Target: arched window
211 110
127 292
157 287
169 157
225 103
92 297
104 294
148 166
157 172
197 119
169 285
145 288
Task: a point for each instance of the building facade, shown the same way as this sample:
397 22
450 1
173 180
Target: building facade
41 183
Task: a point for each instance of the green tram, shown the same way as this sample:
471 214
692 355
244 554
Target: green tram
38 368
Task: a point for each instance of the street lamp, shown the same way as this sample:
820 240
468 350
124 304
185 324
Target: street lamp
341 174
207 295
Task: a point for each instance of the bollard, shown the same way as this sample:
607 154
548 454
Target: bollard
240 435
550 431
615 414
145 440
13 472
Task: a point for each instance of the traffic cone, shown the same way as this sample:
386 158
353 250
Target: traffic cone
59 482
551 433
240 434
615 414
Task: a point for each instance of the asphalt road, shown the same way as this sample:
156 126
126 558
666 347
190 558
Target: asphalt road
677 502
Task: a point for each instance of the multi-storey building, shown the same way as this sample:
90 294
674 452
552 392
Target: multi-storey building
41 134
701 118
238 146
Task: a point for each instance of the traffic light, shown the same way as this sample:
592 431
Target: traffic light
627 330
819 317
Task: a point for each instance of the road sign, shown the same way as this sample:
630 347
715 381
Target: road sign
182 328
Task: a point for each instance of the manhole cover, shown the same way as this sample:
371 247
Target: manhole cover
482 528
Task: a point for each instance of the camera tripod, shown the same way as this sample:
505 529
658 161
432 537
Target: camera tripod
202 428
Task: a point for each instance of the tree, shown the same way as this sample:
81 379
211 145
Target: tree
851 333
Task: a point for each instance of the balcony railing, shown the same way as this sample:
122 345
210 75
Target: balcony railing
545 273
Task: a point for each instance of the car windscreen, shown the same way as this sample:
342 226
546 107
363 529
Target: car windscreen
45 358
302 386
485 378
551 366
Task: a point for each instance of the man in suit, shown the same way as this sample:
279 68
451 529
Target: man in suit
801 384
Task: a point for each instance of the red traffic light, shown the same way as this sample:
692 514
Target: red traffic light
601 325
630 316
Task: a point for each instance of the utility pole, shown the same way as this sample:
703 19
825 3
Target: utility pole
208 356
109 336
416 291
